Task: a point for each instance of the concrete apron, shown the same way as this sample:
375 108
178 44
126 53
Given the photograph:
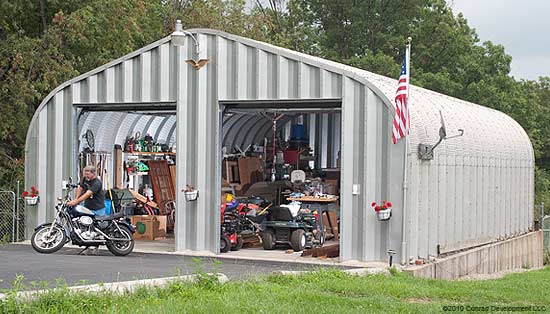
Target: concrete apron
252 254
521 252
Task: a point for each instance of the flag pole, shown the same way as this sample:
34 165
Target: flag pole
405 162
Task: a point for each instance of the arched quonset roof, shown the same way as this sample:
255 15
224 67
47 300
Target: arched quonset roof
468 174
110 128
480 123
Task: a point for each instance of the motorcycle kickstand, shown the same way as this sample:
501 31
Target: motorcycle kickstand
90 250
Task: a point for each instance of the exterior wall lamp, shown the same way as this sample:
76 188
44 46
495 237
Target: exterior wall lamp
178 37
178 40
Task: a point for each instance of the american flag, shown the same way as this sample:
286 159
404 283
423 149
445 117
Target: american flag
401 121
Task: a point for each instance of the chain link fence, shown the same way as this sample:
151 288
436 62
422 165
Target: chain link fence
12 217
545 226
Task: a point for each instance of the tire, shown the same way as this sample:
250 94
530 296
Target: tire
268 240
298 240
239 245
46 244
120 248
225 244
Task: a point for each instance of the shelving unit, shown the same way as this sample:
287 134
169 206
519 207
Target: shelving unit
137 178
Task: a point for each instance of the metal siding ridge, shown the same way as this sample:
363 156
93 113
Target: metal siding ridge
58 147
414 208
262 75
370 180
164 71
145 61
110 84
182 233
202 156
347 241
241 71
128 80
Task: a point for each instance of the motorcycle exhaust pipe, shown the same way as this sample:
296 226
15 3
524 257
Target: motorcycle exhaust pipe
112 239
101 242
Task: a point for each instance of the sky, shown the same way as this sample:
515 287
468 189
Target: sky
521 26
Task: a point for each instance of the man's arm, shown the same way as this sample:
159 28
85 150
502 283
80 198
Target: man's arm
81 198
78 192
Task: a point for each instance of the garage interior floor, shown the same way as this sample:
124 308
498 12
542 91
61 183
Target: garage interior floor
281 254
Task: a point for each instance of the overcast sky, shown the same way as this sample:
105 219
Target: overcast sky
521 26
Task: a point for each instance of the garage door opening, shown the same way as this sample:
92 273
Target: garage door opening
280 177
134 151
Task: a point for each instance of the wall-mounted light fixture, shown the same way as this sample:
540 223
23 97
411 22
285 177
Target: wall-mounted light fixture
178 37
178 40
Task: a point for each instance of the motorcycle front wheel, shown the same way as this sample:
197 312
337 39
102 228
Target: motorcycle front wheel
47 239
121 248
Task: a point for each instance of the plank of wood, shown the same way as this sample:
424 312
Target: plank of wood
325 251
328 227
173 175
250 170
143 199
332 220
118 168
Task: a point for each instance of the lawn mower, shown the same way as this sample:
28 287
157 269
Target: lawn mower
305 230
240 218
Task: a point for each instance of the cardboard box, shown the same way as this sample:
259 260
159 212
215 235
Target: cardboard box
149 227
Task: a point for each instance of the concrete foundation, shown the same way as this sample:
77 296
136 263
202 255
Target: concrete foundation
525 251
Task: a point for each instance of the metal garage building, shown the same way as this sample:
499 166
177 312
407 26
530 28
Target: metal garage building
477 188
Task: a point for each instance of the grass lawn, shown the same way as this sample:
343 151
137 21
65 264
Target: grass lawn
324 291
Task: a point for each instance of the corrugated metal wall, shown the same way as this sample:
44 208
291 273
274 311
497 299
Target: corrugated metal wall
243 71
478 188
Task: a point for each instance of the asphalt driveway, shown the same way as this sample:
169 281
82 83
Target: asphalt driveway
66 266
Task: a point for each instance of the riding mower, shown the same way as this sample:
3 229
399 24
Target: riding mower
305 230
230 229
240 218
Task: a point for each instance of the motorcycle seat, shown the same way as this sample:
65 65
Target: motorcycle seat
110 217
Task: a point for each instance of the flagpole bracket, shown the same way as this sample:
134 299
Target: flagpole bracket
426 151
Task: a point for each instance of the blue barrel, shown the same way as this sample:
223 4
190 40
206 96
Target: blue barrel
298 132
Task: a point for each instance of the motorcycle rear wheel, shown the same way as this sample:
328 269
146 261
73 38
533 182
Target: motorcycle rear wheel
121 248
45 242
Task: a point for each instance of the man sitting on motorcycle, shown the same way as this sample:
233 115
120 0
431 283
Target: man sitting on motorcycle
90 191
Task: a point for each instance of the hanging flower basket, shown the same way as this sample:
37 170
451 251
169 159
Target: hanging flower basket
31 200
191 194
383 212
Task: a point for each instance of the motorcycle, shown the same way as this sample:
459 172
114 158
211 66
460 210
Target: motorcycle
83 228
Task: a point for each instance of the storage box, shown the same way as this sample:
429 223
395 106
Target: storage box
149 227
